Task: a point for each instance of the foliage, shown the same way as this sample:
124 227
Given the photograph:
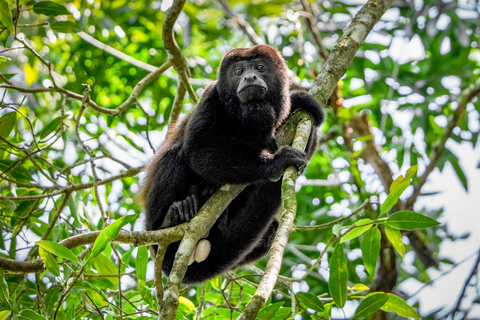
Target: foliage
68 168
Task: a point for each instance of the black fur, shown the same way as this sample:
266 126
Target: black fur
230 138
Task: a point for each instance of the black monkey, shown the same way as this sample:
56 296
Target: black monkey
230 138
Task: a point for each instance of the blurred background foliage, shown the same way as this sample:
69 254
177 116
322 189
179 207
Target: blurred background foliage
407 79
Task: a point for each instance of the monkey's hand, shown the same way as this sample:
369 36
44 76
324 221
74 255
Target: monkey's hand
180 212
287 157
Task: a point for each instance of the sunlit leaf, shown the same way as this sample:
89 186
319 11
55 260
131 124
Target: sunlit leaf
392 198
49 8
337 283
370 304
355 232
411 172
409 220
360 287
58 250
31 74
399 306
395 238
31 315
141 262
311 301
50 262
5 314
371 249
110 233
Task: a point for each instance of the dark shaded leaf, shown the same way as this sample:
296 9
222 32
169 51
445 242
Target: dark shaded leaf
311 301
65 27
370 304
49 8
6 16
50 127
7 123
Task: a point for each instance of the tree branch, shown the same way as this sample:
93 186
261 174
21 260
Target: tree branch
274 264
467 95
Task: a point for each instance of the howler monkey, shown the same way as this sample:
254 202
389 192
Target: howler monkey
230 138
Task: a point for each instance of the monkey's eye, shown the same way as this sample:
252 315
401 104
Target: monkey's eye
238 71
260 67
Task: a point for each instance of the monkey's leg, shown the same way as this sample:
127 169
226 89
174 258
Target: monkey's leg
180 212
262 246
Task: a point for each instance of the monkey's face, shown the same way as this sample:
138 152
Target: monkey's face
250 77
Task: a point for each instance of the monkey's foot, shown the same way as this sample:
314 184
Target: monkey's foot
180 212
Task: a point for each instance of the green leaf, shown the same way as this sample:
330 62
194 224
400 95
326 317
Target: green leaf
371 249
397 182
460 174
50 127
7 123
392 198
370 304
30 314
409 220
110 233
355 232
336 229
50 262
399 306
269 311
19 173
395 238
337 283
411 172
66 27
141 262
7 75
359 287
49 8
58 250
310 301
438 130
4 295
5 314
6 16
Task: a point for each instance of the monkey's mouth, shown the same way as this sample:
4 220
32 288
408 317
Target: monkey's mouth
252 87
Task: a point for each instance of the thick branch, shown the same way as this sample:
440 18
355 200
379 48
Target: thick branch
343 53
174 53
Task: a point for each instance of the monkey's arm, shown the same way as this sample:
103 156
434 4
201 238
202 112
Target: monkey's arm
304 101
224 160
